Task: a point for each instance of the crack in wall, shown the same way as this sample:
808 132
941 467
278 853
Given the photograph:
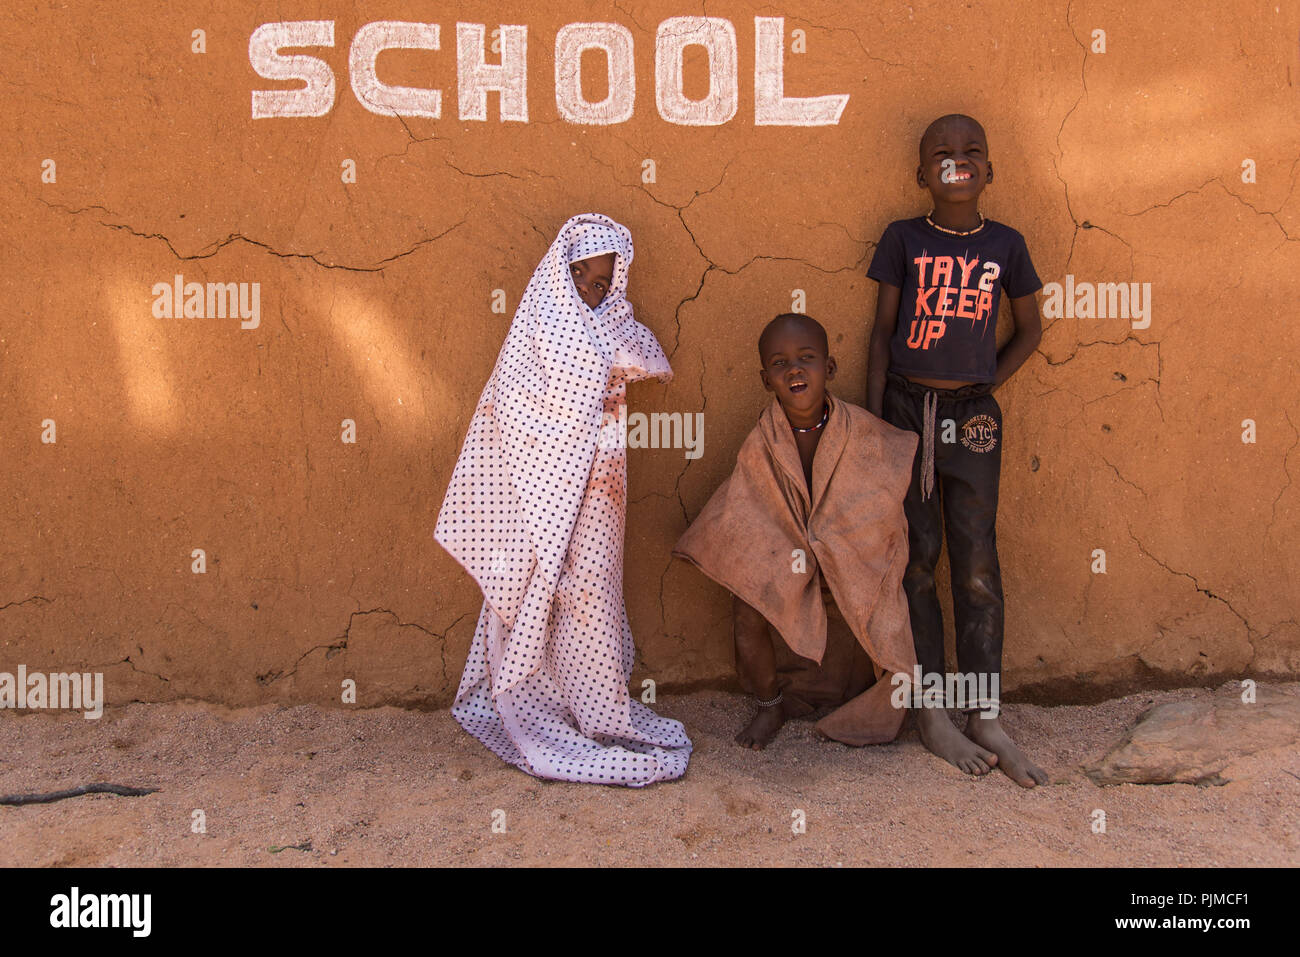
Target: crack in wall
505 173
628 13
442 646
24 601
1286 468
153 674
1251 633
1060 152
1120 476
1174 199
769 9
1132 263
1218 180
219 245
340 643
1107 342
125 661
677 312
1110 395
637 182
677 493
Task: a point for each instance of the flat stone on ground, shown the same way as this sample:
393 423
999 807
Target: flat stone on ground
1196 742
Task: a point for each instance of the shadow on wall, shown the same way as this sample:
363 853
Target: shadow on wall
363 329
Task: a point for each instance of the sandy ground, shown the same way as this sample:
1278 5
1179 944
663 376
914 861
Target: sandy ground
393 787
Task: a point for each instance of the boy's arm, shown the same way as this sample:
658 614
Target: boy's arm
1029 330
878 351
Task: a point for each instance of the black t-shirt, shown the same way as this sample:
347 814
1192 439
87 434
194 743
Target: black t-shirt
951 287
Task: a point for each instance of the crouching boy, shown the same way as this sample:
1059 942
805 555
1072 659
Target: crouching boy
808 534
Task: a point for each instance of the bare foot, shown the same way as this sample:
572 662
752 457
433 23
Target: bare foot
942 738
988 732
760 732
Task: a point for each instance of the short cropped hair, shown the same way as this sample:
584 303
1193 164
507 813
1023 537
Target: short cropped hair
920 146
793 318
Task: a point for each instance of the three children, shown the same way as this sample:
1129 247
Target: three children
827 532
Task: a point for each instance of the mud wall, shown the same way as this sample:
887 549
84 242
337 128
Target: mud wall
183 511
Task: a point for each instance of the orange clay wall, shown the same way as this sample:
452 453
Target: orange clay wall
240 508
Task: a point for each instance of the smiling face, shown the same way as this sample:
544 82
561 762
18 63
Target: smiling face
592 277
955 163
796 366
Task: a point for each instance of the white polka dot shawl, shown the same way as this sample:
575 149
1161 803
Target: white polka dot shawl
516 489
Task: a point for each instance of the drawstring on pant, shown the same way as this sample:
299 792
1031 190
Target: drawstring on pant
929 404
929 412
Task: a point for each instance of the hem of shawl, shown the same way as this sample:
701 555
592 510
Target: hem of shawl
899 554
752 602
664 770
867 646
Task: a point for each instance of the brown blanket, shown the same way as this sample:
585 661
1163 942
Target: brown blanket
852 534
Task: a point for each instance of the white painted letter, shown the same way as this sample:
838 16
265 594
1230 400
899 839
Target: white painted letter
616 40
317 97
475 76
771 106
718 37
377 97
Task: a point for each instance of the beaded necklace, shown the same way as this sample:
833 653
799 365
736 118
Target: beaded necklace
954 232
813 428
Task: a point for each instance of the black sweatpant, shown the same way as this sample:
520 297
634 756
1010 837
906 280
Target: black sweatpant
967 456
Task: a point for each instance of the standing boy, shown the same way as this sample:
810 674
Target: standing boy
932 360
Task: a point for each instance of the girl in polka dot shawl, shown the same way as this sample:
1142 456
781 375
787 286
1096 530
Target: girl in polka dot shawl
535 513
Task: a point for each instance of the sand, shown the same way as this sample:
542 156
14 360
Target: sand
306 786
